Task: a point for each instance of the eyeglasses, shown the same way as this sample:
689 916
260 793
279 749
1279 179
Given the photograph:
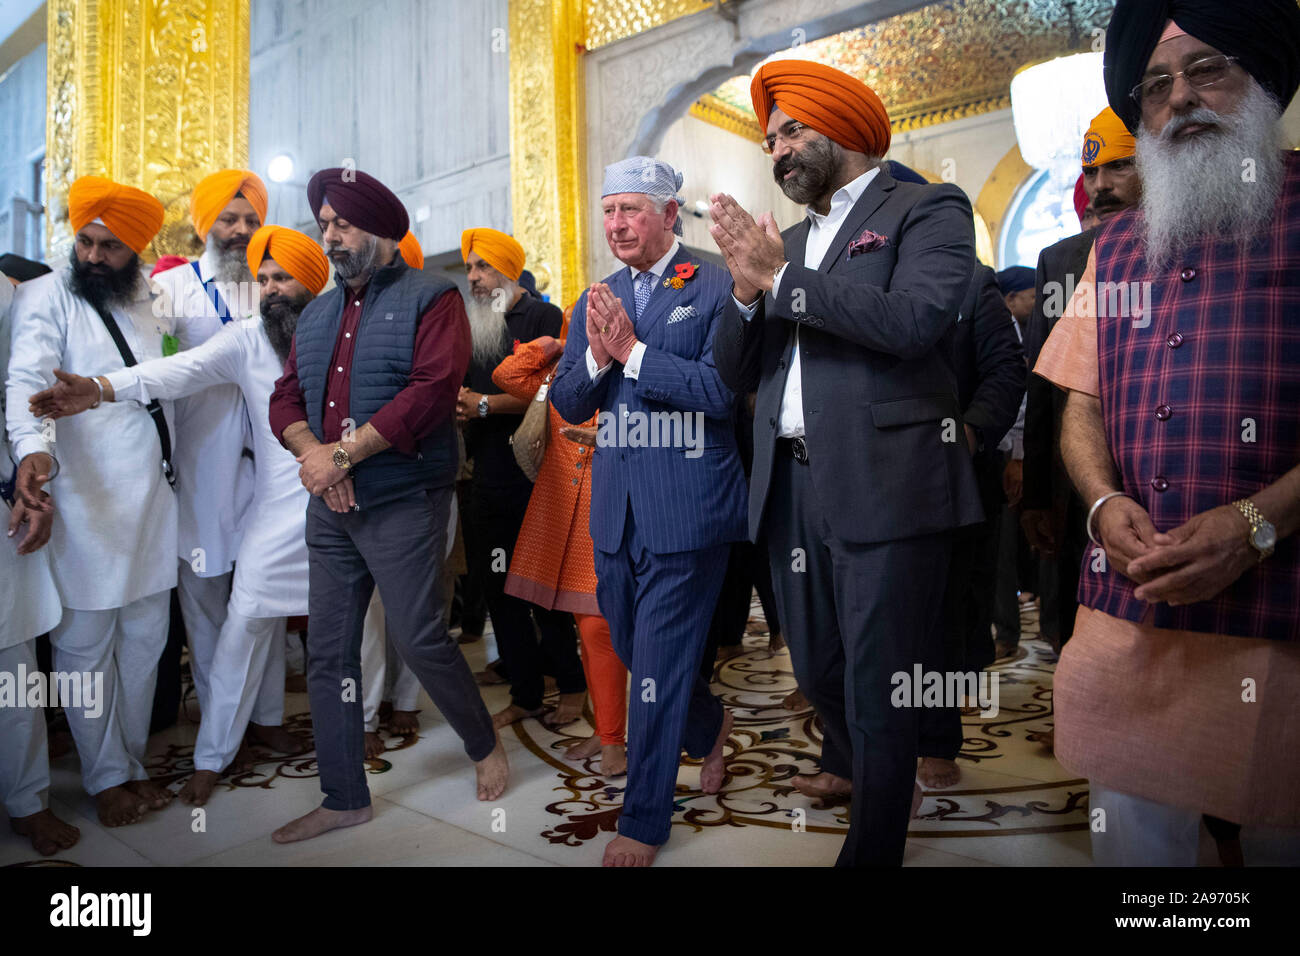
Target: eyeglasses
791 133
1201 75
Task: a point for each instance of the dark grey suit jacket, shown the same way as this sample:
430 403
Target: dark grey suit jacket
881 415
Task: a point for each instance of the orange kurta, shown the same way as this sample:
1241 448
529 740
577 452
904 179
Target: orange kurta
552 564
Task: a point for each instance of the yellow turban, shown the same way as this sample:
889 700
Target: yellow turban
1107 140
501 252
213 194
130 214
299 255
411 252
832 102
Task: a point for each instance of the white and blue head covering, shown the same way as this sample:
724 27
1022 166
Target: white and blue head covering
643 174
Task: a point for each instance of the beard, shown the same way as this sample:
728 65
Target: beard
280 320
351 264
231 256
488 331
101 285
1197 189
815 165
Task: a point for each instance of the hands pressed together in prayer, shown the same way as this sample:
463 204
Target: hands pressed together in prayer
753 249
610 332
1187 564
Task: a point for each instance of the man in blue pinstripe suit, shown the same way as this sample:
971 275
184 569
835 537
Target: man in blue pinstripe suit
668 492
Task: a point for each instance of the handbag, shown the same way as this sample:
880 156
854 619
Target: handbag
529 439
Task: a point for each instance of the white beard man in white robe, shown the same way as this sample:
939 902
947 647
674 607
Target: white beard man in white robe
113 540
270 576
214 477
29 606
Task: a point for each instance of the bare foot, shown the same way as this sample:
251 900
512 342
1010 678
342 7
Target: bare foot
320 821
567 711
47 832
584 748
504 718
118 807
1003 650
775 642
624 851
714 769
916 799
795 700
277 738
374 745
492 772
727 651
489 675
245 759
826 789
404 723
613 760
937 773
199 787
151 793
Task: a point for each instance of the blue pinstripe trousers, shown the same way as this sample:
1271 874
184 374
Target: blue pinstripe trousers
659 607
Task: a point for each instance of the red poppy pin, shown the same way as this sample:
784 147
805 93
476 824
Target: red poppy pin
514 348
685 271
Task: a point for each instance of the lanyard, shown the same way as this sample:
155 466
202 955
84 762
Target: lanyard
214 294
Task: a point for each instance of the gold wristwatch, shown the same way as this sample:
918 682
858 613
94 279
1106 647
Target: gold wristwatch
341 459
1263 536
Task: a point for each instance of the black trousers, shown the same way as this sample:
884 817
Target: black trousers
529 652
854 615
1059 577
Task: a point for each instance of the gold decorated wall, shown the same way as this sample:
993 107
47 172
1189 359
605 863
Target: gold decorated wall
151 93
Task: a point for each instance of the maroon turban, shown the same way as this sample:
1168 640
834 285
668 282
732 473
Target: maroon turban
361 199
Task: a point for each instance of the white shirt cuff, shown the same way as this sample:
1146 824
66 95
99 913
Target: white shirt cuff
747 311
127 386
596 374
776 279
30 445
633 367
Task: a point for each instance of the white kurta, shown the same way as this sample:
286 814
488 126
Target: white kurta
114 536
29 602
271 569
214 480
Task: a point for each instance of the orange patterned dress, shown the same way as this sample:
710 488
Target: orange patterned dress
552 565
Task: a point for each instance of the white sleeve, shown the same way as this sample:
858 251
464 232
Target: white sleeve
633 367
37 338
216 362
596 374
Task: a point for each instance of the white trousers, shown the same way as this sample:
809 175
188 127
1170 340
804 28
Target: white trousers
24 754
246 682
203 606
384 675
123 645
1140 832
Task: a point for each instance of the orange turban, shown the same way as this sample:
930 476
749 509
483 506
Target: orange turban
1107 140
830 101
301 256
130 214
213 194
501 252
410 249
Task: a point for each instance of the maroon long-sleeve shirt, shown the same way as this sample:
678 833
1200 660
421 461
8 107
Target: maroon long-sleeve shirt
438 363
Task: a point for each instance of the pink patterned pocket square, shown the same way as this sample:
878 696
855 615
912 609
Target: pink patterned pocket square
867 242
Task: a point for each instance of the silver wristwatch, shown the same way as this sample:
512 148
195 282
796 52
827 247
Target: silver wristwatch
483 407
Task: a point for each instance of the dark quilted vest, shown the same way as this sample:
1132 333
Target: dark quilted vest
1183 396
396 298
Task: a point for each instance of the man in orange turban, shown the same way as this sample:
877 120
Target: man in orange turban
246 672
215 478
502 252
112 544
839 325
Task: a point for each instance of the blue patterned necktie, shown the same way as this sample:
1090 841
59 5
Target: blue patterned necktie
645 284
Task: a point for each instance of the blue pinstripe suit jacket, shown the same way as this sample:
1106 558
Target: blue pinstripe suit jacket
679 503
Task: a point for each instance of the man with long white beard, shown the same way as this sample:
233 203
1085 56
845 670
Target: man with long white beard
1181 353
500 312
246 679
214 478
113 544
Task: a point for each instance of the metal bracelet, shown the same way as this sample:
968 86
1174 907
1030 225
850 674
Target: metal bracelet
99 400
1096 505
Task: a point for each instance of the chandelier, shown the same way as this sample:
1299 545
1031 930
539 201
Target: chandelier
1052 104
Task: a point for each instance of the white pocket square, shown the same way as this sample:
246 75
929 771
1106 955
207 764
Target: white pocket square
682 313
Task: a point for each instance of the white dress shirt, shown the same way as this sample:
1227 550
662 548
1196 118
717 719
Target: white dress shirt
1014 440
633 367
821 233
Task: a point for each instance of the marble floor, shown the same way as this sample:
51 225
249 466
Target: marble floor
1014 805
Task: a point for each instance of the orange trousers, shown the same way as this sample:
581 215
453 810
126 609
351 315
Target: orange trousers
606 679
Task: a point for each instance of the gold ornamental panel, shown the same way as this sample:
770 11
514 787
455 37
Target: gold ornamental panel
612 20
151 93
